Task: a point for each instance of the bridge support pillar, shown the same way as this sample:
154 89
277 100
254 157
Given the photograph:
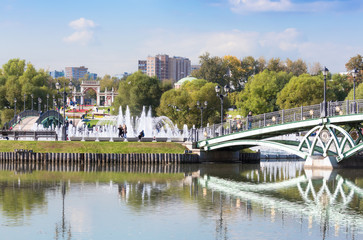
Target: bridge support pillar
219 156
320 162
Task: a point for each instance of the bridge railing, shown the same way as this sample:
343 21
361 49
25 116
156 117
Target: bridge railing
278 117
50 113
23 114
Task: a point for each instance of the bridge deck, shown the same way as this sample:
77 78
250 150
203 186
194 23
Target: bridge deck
282 129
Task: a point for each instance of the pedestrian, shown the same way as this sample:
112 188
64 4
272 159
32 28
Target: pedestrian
120 131
19 119
141 135
249 119
125 130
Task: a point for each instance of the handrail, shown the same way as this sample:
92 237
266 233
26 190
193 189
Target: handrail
279 117
50 113
23 114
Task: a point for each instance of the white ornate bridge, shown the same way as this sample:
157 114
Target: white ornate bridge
335 137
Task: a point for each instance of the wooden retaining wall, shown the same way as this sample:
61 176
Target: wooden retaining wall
98 158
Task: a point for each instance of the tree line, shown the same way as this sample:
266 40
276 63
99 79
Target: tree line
256 85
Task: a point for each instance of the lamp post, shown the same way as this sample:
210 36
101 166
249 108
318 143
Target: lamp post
354 74
24 100
64 93
324 110
221 97
54 103
39 104
14 107
201 107
32 95
47 100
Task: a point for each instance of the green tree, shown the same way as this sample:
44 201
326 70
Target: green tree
180 105
358 93
340 85
236 73
275 65
297 67
260 93
109 82
301 91
137 91
355 63
250 67
213 69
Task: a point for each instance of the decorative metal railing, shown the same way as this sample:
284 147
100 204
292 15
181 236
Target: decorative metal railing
23 114
278 117
50 113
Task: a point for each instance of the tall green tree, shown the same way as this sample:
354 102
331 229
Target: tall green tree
301 91
276 65
261 91
137 91
297 67
213 69
180 105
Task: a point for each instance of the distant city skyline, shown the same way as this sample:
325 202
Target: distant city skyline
110 37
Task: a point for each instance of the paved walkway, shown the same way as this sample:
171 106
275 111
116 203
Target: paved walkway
26 124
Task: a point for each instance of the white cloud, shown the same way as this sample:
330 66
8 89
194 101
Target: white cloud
84 31
289 43
81 24
81 37
243 6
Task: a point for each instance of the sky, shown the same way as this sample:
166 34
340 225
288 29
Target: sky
110 36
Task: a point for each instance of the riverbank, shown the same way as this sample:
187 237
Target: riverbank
92 147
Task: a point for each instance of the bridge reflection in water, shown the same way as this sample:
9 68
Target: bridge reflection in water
285 190
225 200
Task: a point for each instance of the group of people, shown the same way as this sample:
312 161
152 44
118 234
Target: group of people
122 131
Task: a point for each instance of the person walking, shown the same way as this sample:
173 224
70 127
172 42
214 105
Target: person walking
249 120
120 131
125 130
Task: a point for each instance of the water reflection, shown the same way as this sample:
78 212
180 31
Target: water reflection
220 201
325 197
63 228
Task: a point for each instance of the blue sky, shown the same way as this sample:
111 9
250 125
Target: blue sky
109 36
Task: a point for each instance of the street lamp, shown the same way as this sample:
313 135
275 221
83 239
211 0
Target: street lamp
24 100
324 110
54 103
14 107
32 95
47 100
64 93
201 111
354 74
39 104
221 97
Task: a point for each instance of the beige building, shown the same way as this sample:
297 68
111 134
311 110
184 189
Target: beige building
163 67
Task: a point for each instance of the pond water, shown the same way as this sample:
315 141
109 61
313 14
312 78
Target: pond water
272 200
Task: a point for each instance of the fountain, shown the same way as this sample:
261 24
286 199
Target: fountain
154 127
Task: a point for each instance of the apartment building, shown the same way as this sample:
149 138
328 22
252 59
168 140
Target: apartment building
164 67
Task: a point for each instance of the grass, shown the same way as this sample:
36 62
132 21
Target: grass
92 147
9 176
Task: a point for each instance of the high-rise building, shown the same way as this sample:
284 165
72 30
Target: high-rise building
142 66
76 72
153 66
56 74
179 68
163 67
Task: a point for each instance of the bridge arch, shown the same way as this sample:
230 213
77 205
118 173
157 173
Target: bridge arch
50 118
